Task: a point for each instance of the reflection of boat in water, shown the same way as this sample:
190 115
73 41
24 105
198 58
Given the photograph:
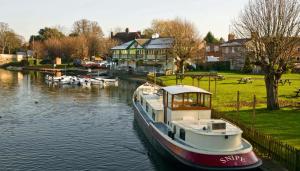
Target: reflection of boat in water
177 121
14 68
111 82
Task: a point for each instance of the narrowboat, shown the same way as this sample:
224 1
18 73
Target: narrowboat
177 122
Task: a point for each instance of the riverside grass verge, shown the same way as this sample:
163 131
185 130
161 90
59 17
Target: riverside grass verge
282 124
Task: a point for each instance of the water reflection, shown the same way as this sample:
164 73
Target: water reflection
46 127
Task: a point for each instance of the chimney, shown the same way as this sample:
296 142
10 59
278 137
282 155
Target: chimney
127 30
111 34
231 36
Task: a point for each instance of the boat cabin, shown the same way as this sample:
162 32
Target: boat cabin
183 102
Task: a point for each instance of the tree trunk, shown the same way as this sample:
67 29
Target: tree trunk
180 66
272 91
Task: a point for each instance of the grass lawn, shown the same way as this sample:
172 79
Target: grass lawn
283 124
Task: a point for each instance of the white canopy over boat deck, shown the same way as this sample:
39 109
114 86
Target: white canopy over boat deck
179 89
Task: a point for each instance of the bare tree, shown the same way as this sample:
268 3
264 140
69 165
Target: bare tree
87 28
53 47
106 45
274 26
14 41
4 28
187 42
39 50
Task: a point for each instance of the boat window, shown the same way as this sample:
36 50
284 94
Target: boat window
178 101
169 100
147 107
142 101
174 129
191 100
182 134
206 100
153 116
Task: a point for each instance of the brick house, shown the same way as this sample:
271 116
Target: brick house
234 50
126 36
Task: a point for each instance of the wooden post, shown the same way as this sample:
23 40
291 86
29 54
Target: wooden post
253 114
238 106
297 160
215 86
193 80
176 79
209 83
198 79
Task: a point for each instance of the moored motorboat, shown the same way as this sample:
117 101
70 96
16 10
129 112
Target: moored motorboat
85 82
96 81
177 121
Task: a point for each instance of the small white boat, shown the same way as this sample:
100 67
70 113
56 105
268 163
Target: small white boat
85 82
65 79
75 81
96 81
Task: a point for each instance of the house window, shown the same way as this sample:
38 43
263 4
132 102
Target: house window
232 50
182 134
174 129
226 49
216 48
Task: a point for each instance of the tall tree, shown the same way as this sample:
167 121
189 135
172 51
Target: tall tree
274 26
148 32
14 42
4 29
86 27
93 35
47 33
187 43
210 38
9 40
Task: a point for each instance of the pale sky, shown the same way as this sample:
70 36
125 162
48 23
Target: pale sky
26 17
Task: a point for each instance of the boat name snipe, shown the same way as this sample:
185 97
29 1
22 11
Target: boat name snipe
226 159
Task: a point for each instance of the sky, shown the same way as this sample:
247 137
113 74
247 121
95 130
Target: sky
26 17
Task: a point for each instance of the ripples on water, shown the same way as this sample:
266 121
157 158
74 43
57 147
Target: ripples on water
70 128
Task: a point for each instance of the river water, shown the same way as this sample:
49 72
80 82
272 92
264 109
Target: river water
44 127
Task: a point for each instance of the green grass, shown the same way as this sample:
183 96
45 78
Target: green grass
283 124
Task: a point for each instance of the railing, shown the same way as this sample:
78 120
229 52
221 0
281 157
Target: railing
266 145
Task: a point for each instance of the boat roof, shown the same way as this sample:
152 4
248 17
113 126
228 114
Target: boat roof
179 89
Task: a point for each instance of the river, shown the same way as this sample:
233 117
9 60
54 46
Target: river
44 127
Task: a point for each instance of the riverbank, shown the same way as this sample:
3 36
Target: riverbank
50 68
